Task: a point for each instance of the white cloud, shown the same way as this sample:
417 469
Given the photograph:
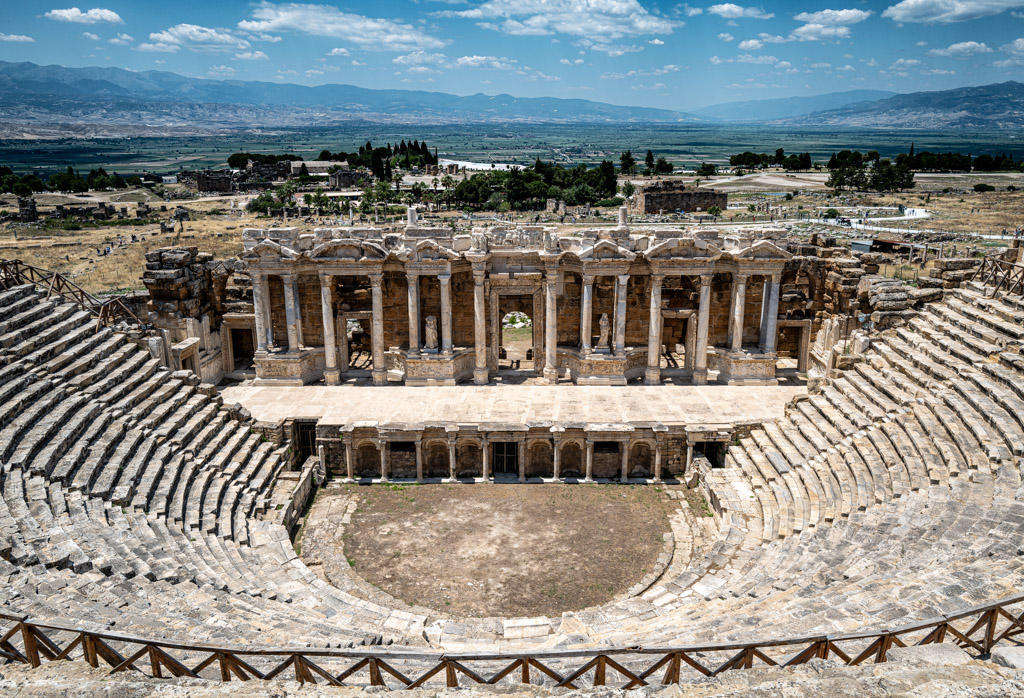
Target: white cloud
820 66
946 11
692 11
601 20
726 37
963 49
422 70
1015 50
17 38
221 71
753 60
656 42
121 40
921 44
252 56
613 50
324 20
938 71
819 32
357 63
655 86
833 17
905 62
566 61
664 70
421 58
160 61
160 47
338 52
90 36
313 71
750 45
197 38
93 16
731 11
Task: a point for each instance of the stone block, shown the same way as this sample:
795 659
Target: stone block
924 295
1012 657
939 654
177 257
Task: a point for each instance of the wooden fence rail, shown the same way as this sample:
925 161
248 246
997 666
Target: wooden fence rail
1001 275
977 630
14 272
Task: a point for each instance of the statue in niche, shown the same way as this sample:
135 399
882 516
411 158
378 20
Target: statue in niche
604 325
431 333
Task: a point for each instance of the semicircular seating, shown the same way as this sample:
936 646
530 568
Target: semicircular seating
130 497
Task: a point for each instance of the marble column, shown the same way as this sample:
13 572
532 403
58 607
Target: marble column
414 312
341 335
349 465
621 283
700 359
652 376
419 459
587 314
451 459
380 372
446 313
293 314
763 325
624 448
590 461
480 372
556 454
523 451
771 328
384 453
259 302
485 453
551 326
657 461
268 322
739 301
331 374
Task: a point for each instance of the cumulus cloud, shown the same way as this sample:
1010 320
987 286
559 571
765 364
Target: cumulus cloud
121 40
195 38
338 52
323 20
603 19
729 10
1015 51
819 32
418 60
752 60
833 17
726 37
251 56
656 42
691 11
947 11
664 70
566 61
905 63
93 16
90 36
963 49
751 45
221 71
938 71
17 38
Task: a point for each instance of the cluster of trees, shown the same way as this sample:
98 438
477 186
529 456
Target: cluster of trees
755 161
885 176
68 180
238 161
652 166
382 160
925 161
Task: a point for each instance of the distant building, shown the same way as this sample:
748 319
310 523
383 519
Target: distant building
667 196
346 178
316 167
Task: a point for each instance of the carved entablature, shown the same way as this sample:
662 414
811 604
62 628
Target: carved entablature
683 256
762 257
270 255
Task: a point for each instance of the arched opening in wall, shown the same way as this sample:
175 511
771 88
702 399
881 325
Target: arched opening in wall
607 460
243 347
468 462
540 460
641 460
679 302
570 462
435 460
367 461
402 460
354 313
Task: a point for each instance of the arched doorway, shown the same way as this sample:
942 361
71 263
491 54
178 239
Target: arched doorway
435 460
468 462
641 460
540 460
367 460
570 462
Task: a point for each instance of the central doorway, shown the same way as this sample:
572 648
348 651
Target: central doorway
505 458
515 353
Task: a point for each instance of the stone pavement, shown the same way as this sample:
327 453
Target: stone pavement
665 404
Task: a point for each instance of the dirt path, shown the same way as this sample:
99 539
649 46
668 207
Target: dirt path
508 550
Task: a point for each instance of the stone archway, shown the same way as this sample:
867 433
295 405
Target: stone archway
641 460
367 460
468 459
571 463
435 459
540 460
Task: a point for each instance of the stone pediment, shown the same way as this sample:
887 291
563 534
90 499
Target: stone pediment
348 250
762 250
270 251
683 248
428 250
606 250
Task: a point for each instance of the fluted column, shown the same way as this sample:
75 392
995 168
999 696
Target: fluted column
551 326
621 283
589 473
259 303
330 349
446 313
652 376
451 459
414 312
292 311
380 373
771 329
480 372
700 359
739 302
587 314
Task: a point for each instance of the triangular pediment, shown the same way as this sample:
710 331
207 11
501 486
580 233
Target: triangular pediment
430 250
682 248
606 250
270 250
762 249
348 249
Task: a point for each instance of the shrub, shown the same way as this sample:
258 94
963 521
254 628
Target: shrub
616 201
982 187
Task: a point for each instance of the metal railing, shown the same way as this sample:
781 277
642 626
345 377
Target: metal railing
29 641
14 272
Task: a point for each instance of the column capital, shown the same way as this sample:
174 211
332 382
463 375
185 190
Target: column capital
326 280
588 279
444 278
741 277
623 278
287 277
777 278
376 280
412 272
705 279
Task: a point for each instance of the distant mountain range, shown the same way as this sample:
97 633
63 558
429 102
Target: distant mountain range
53 100
786 107
997 106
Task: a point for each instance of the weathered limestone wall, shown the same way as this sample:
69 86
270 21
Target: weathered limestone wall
673 196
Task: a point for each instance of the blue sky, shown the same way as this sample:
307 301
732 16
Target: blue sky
642 52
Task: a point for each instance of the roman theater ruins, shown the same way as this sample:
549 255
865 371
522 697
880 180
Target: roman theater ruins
275 468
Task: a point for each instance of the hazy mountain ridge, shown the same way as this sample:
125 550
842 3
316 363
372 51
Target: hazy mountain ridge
160 97
997 106
785 107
